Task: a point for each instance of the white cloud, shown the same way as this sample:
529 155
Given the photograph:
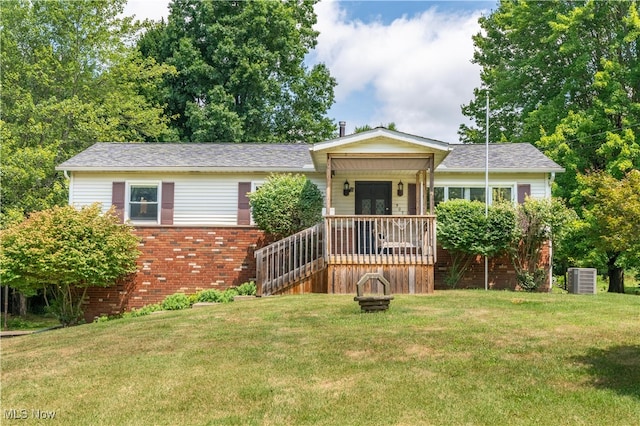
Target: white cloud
419 67
147 9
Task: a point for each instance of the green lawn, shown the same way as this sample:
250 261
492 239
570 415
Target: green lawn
456 357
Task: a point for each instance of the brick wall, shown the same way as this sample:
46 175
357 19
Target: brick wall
186 259
501 272
180 259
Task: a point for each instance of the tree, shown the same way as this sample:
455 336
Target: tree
466 232
70 77
65 251
565 76
241 73
614 213
366 127
538 222
286 204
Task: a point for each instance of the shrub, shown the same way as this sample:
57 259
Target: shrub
466 232
538 222
228 295
211 296
176 302
247 289
286 204
65 251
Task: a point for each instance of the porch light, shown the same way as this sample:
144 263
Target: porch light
346 189
400 189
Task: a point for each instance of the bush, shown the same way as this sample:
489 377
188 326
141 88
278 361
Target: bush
286 204
538 222
145 310
65 251
176 302
247 289
466 232
210 296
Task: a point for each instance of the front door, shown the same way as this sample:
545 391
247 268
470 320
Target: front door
373 198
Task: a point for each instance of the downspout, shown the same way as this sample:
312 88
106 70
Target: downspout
68 177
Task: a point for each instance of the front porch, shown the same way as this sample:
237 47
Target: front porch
372 222
332 256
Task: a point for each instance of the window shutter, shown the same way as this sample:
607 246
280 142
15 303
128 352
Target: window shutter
411 199
244 210
166 211
523 191
117 198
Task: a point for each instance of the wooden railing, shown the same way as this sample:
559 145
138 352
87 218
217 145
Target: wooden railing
285 262
381 239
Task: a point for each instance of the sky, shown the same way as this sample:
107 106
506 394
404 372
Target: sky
406 62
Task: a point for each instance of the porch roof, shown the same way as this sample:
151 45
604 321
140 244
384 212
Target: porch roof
379 149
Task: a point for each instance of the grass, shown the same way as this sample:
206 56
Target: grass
455 357
28 322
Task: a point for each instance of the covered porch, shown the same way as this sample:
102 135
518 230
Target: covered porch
378 217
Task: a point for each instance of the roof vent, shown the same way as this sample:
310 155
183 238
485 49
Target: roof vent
342 127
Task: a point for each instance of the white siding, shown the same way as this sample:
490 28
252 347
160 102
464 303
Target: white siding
212 198
346 205
199 199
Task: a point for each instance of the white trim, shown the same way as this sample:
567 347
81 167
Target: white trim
168 169
127 201
381 132
498 170
466 194
255 184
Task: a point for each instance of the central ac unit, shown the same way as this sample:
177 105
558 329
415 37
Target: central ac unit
582 280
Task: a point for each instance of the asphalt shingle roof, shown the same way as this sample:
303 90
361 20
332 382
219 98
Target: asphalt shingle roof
279 157
126 156
502 156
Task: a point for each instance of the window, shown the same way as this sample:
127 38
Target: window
498 194
143 202
455 193
438 194
476 194
501 194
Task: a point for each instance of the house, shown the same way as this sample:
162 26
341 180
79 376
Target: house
189 206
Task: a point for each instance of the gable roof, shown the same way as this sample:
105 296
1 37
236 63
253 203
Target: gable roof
378 141
503 157
228 157
380 132
289 157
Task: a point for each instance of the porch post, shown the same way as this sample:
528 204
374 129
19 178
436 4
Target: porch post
328 189
431 185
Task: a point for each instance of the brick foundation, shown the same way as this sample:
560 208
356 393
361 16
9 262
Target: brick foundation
190 259
502 275
180 259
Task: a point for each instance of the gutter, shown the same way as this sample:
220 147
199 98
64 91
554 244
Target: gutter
185 169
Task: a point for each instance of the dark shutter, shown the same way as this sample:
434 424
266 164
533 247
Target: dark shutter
523 191
244 210
117 198
411 199
166 213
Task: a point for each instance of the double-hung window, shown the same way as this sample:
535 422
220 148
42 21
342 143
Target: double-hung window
143 202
